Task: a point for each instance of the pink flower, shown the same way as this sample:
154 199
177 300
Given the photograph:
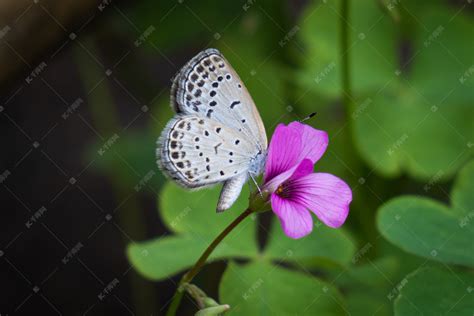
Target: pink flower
294 189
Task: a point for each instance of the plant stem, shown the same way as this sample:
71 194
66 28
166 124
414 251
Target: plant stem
365 216
346 82
202 261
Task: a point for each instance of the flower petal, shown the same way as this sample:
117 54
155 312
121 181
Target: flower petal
283 152
313 141
295 219
325 195
302 169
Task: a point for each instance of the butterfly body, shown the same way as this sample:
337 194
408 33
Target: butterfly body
217 135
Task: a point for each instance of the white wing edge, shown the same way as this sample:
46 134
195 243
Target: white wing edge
183 73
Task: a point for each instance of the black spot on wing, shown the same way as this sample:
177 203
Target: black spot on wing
233 104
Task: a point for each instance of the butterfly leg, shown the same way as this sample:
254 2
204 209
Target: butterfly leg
256 184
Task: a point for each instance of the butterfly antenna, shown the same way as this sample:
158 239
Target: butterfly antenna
308 117
256 184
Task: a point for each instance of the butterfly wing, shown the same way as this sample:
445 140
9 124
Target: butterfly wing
208 86
197 151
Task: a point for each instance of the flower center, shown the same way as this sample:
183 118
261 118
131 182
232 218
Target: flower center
282 190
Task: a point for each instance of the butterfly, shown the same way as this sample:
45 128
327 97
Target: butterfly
217 135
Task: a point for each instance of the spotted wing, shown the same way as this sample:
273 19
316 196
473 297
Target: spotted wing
208 86
199 151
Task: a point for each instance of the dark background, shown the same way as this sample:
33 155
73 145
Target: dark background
45 156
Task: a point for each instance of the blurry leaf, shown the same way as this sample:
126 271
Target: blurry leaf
443 63
372 47
430 229
324 243
184 21
462 194
161 113
131 156
192 215
163 257
413 114
185 211
427 228
375 273
363 304
397 130
368 285
261 288
432 291
406 262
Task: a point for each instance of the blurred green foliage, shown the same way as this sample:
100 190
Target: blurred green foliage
409 130
413 109
430 229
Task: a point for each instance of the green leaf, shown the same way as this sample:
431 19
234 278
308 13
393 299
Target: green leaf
418 123
324 243
427 228
462 195
372 47
163 257
407 117
192 215
260 288
363 304
185 211
430 229
374 273
439 46
432 291
396 130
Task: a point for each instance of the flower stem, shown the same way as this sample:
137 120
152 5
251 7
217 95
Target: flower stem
202 261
